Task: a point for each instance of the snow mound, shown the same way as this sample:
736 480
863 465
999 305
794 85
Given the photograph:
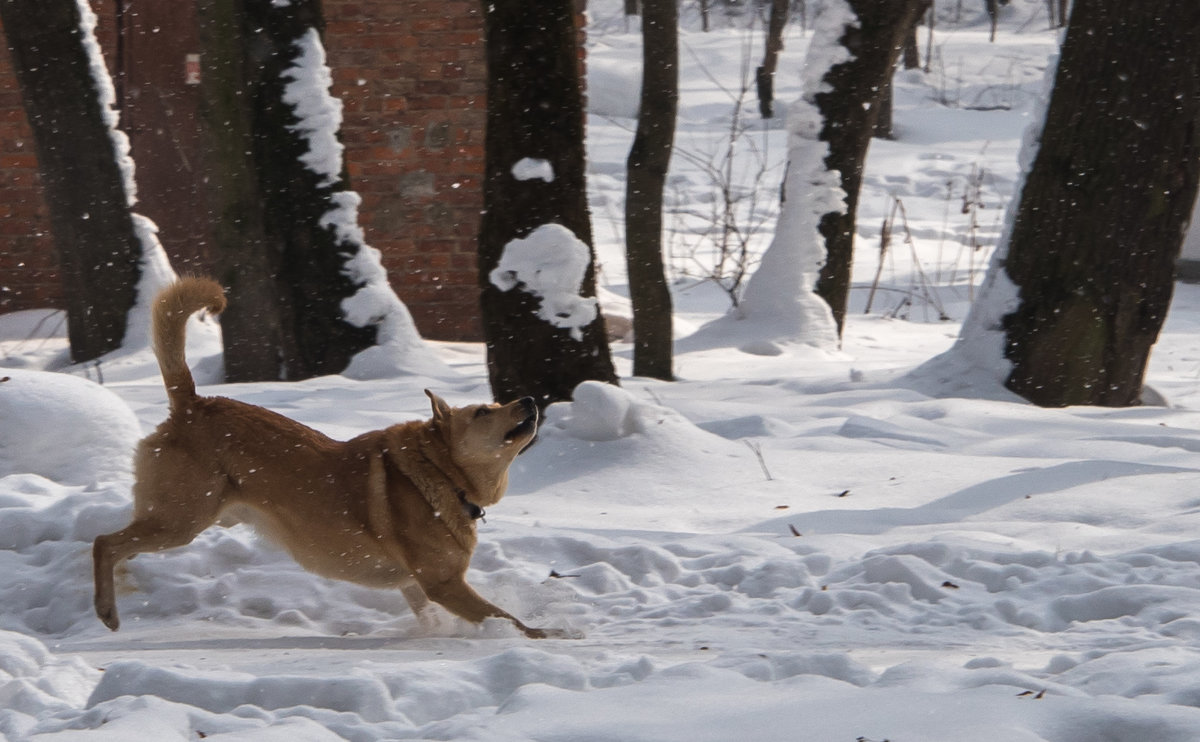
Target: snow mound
604 412
222 692
35 684
64 428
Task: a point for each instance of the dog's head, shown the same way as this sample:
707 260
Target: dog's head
485 438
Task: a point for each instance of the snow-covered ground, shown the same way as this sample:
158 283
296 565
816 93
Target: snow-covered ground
812 545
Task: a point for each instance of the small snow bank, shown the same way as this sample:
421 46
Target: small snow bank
34 684
604 412
549 263
223 692
64 428
618 434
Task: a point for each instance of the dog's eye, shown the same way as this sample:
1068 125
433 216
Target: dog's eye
482 411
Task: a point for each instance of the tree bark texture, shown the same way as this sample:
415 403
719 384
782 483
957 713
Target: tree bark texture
283 268
248 263
1103 209
849 111
99 252
535 110
649 158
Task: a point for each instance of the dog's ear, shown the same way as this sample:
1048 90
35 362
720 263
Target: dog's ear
441 410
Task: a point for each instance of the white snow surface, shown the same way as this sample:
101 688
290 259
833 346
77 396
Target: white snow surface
801 546
550 263
91 440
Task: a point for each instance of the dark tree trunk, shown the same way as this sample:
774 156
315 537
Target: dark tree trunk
99 252
535 110
1102 212
850 109
912 50
883 117
765 74
285 270
247 261
648 160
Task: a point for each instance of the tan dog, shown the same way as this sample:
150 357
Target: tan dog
390 508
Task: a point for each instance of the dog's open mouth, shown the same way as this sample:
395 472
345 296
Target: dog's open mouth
523 428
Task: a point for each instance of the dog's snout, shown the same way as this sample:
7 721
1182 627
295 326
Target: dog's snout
528 404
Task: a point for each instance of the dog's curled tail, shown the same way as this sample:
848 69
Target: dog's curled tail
172 307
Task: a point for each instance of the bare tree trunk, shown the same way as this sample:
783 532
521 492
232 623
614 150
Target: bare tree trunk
649 158
849 110
765 74
247 261
912 50
535 110
883 117
98 249
285 269
1101 215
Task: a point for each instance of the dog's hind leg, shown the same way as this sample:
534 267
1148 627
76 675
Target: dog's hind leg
136 538
158 523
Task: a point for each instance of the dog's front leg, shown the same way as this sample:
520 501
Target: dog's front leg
456 596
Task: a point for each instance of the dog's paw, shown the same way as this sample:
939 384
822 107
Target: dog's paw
109 617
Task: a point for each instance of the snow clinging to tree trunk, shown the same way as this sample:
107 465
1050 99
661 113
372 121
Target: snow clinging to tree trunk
549 263
779 297
319 112
976 365
779 305
398 347
530 168
156 271
107 97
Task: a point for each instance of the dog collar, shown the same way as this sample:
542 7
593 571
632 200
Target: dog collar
474 512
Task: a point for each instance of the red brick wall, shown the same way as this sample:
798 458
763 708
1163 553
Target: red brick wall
28 265
411 75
